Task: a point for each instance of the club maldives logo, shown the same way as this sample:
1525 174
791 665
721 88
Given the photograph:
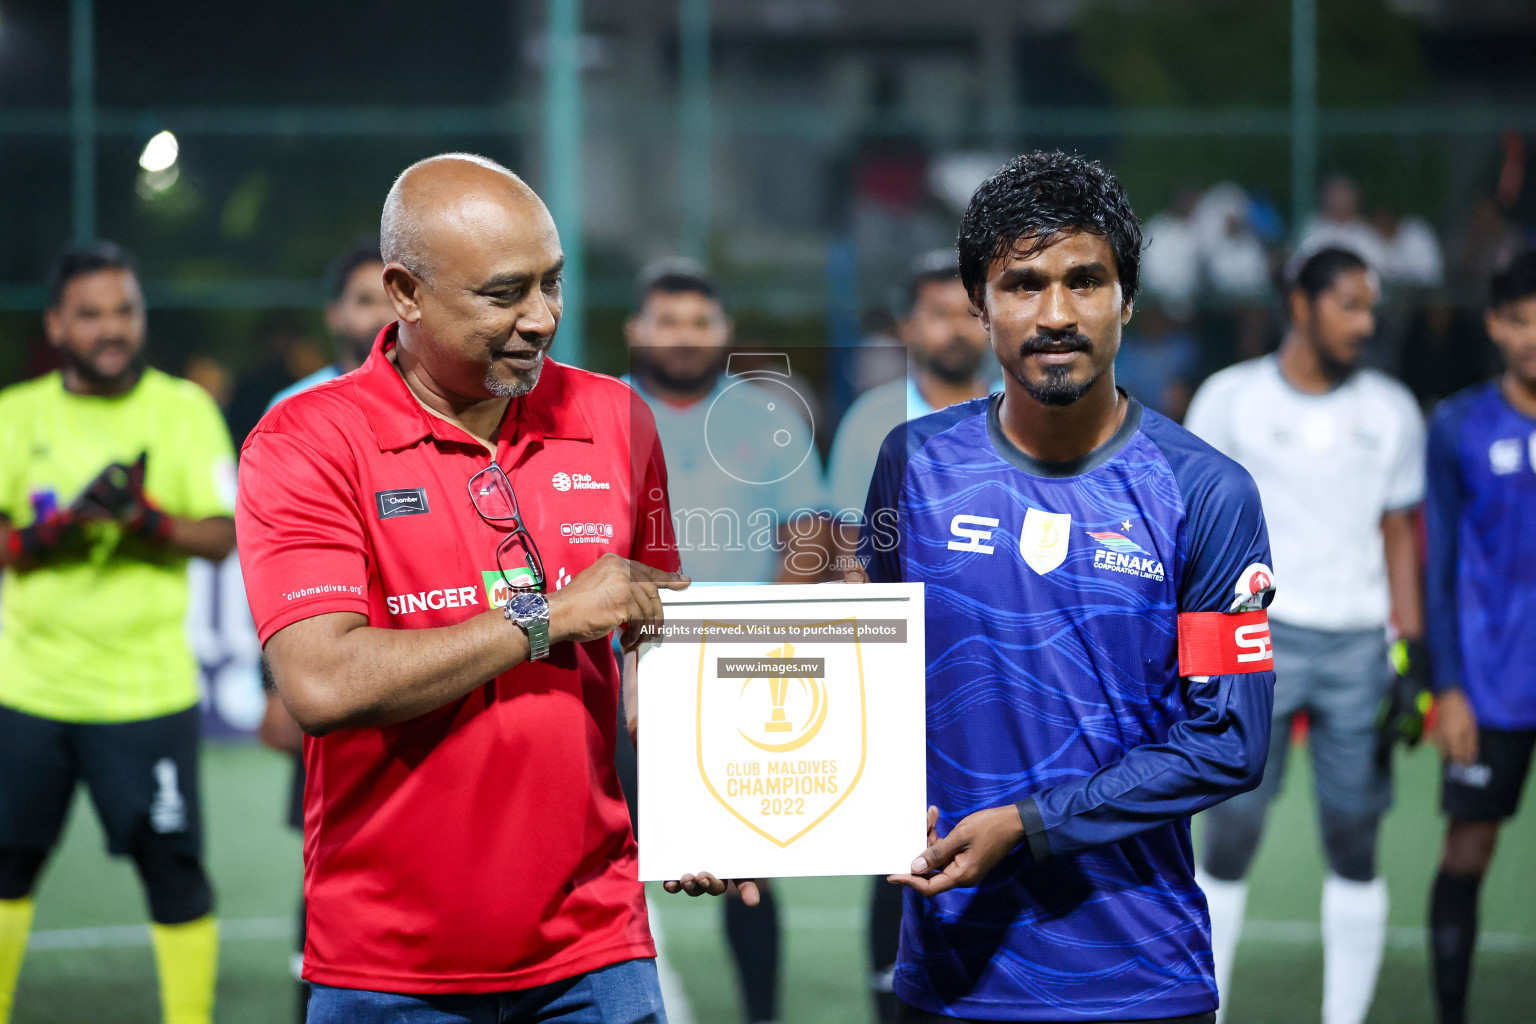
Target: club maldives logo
577 482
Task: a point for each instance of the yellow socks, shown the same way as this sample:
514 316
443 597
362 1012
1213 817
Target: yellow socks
187 959
15 923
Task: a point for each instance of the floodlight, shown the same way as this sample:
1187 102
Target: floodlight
160 153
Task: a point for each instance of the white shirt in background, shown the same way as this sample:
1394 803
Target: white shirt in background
1328 468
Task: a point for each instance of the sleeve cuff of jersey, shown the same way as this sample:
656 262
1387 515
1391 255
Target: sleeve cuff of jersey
308 610
1034 830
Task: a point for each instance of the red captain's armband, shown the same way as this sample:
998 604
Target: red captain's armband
1224 644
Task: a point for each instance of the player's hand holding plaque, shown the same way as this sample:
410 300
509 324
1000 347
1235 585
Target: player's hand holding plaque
783 732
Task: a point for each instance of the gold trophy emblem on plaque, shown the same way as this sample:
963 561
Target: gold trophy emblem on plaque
811 700
781 732
778 687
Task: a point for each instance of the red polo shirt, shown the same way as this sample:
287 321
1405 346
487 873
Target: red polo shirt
486 845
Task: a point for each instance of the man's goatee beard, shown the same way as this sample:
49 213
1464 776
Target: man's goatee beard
1057 388
514 389
130 374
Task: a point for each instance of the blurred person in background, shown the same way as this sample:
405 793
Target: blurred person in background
1234 263
285 353
359 309
1158 360
112 475
1338 454
209 373
1338 224
1170 267
679 338
949 361
1410 250
1481 523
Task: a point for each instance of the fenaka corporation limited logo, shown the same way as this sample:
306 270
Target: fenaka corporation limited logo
577 482
1119 553
781 732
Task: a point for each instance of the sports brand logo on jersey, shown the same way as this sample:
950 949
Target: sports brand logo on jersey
975 533
1254 584
1504 456
406 501
1045 538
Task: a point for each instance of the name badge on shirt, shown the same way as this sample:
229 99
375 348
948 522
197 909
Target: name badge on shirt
408 501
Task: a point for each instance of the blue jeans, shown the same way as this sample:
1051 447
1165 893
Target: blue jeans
622 993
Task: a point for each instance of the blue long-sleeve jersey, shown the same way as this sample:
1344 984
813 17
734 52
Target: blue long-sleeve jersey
1480 514
1053 592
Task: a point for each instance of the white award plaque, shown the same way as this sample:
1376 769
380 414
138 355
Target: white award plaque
781 732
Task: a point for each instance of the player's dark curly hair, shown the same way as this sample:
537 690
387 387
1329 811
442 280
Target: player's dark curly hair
1316 272
1021 207
1514 279
78 261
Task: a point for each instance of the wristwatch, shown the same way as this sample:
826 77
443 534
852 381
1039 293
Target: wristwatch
530 610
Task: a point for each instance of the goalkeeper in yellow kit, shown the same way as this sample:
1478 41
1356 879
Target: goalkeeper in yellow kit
111 475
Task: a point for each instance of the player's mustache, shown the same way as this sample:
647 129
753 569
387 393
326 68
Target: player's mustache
1067 341
106 344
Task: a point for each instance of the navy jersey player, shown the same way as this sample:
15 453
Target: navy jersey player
1482 617
1099 665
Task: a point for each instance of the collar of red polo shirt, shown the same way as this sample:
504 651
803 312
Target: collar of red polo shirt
399 419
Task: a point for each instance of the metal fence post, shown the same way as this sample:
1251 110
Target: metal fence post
696 146
82 76
563 165
1303 111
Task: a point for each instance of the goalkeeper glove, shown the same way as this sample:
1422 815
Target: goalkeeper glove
118 493
29 543
1405 705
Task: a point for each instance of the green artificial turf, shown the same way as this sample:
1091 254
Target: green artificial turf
91 962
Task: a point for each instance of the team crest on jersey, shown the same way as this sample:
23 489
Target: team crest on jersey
1254 584
1044 540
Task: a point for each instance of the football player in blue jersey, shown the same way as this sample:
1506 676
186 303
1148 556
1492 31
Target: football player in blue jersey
1482 617
1098 659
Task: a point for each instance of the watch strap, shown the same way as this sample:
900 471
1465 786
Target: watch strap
538 639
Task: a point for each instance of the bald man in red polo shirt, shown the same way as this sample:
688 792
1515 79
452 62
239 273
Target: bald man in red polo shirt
436 547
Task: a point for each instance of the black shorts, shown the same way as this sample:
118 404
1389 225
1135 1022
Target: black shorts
142 777
1489 788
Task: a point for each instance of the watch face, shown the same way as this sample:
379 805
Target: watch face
529 605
